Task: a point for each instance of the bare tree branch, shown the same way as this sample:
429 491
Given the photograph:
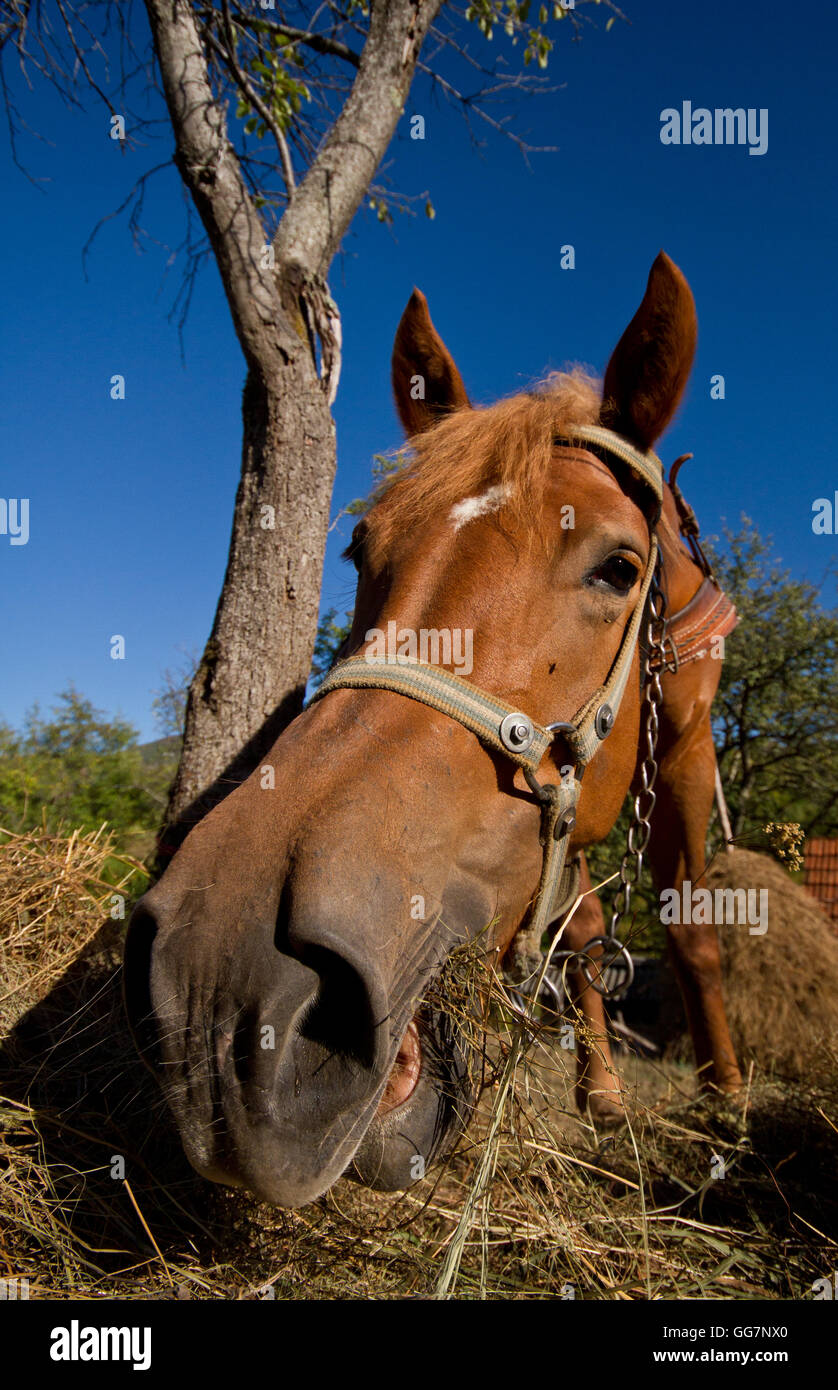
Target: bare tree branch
319 43
472 103
211 171
136 197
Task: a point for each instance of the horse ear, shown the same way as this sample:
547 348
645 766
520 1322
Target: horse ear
426 383
650 365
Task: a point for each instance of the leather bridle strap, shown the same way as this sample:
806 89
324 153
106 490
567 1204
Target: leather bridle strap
646 465
515 735
585 734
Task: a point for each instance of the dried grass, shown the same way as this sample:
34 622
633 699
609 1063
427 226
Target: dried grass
54 890
533 1204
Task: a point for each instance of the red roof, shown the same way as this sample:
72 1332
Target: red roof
821 865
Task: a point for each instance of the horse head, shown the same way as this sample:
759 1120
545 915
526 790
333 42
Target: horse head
279 975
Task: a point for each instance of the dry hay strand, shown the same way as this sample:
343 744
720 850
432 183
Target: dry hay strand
781 987
540 1204
533 1203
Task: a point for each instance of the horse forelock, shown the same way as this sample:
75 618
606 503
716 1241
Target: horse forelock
507 446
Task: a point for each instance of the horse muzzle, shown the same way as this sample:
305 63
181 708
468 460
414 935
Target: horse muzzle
288 1058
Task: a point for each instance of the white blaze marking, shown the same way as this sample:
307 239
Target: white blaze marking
471 507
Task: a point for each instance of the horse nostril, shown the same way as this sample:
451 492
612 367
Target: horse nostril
136 983
341 1016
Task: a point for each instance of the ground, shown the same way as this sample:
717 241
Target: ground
693 1198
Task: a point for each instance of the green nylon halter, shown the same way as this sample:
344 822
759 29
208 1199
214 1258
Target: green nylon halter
524 741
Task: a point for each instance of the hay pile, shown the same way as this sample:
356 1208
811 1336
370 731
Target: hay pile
54 892
780 988
534 1203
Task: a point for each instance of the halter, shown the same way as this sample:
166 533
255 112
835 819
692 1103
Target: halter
514 734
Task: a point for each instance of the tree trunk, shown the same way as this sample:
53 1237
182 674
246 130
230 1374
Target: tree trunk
266 620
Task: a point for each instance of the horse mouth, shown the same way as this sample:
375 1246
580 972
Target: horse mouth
405 1073
424 1108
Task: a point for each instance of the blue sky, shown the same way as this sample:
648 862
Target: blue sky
131 502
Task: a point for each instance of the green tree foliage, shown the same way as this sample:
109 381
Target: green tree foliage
776 714
80 768
520 20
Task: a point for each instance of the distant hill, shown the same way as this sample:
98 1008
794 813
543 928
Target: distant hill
161 749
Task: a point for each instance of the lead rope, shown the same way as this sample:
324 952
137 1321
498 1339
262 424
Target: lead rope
612 972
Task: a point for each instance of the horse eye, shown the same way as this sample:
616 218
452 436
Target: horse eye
617 573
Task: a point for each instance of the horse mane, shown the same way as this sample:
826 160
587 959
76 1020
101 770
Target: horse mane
509 444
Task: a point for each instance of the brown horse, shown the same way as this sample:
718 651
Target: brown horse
275 975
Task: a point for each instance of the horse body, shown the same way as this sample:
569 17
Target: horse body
275 975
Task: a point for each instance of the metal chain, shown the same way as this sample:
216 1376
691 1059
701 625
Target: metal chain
640 829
